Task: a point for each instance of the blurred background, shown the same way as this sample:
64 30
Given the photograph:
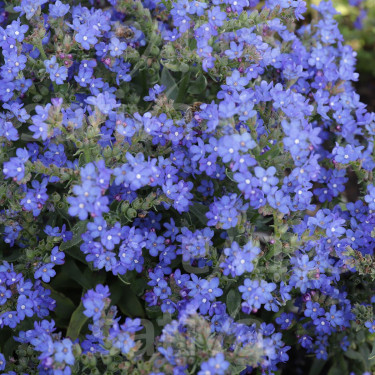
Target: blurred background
357 24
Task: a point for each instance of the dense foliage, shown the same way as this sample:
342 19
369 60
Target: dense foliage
186 188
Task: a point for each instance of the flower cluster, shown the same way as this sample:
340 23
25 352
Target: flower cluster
201 171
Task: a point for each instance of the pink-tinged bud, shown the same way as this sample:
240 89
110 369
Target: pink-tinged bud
306 297
272 241
47 362
62 55
152 179
167 241
231 165
40 205
338 128
240 69
313 292
311 147
334 162
255 311
239 60
228 10
57 102
118 197
152 230
69 56
107 61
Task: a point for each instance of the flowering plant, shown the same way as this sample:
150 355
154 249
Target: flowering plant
187 188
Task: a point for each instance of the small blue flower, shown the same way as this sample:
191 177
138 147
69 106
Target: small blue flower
45 272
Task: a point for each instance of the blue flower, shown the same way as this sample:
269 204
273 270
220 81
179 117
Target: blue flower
371 326
24 307
2 362
57 257
117 47
8 131
45 272
216 365
285 320
58 9
266 178
63 351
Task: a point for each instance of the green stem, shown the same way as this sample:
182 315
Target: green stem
41 50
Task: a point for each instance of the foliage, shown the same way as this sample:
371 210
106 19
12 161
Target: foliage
175 193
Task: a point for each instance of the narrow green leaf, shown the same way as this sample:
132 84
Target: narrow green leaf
168 81
75 274
198 86
64 305
138 286
199 211
350 353
339 367
372 354
317 367
15 254
77 322
233 302
130 304
123 279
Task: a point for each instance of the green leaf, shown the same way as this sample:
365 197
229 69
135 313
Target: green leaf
138 286
350 353
339 367
75 274
198 86
128 302
168 81
199 211
153 312
123 279
317 367
372 354
233 302
15 254
64 305
77 322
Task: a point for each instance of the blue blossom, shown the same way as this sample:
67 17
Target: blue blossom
266 178
63 351
371 326
215 365
58 9
105 102
117 47
24 307
45 272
